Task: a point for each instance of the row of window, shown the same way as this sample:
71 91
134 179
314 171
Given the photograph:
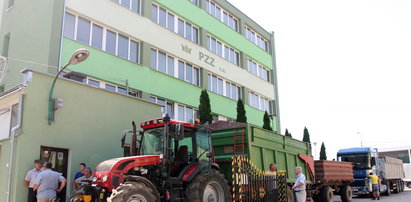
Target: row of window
176 111
168 20
258 102
133 5
221 15
221 49
223 87
111 87
258 70
166 64
256 39
89 33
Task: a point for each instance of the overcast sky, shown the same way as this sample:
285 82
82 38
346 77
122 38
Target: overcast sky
343 67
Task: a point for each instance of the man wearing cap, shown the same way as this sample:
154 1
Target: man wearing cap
31 178
84 180
299 185
46 184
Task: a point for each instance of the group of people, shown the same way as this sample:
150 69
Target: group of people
43 182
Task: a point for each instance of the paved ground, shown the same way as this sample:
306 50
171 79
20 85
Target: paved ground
404 196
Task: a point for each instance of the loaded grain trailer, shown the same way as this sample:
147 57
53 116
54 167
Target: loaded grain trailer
263 147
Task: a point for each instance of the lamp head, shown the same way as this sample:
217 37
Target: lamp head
79 56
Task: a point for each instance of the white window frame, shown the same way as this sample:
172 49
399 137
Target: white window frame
260 100
258 73
225 81
131 5
210 38
256 36
209 3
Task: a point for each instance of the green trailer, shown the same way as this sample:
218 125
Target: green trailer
261 146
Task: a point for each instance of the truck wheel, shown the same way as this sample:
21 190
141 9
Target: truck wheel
397 186
388 191
290 194
326 194
346 193
133 191
211 187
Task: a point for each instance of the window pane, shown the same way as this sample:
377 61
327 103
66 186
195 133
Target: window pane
208 6
170 22
125 3
181 70
195 35
69 23
212 9
153 59
234 92
231 55
162 17
170 66
213 45
188 31
219 49
236 59
162 62
195 76
153 99
228 89
189 115
92 82
230 21
226 53
189 73
180 27
135 6
235 25
121 90
220 86
97 37
111 42
225 18
110 87
154 15
122 49
134 51
208 43
218 13
83 30
161 102
214 89
209 82
180 113
170 110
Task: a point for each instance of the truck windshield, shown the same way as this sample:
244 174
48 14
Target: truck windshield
153 142
360 161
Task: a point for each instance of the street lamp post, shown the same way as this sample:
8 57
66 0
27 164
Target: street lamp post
315 149
78 56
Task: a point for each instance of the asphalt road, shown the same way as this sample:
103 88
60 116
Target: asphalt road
404 196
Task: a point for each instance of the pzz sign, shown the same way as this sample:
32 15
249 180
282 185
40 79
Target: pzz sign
206 58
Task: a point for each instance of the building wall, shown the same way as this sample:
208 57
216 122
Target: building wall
34 28
141 28
90 125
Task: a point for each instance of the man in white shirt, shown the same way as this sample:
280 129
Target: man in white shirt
30 178
299 185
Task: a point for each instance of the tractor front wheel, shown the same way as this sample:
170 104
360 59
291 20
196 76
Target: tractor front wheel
211 187
133 192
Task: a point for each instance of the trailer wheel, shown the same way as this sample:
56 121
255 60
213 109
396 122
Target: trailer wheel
211 187
326 194
346 193
133 191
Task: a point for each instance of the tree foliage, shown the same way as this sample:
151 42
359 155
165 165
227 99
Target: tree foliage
241 113
204 109
323 154
306 137
287 134
267 122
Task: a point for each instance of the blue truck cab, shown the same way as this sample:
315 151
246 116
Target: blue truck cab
365 160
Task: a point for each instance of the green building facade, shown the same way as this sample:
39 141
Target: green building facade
158 53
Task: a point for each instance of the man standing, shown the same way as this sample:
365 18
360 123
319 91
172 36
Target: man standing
375 189
80 173
46 184
31 178
299 185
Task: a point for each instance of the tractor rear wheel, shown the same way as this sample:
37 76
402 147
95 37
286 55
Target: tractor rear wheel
133 192
326 194
346 193
211 187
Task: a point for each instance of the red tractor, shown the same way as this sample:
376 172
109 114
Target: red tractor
171 161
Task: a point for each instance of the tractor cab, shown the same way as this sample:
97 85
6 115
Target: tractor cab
165 156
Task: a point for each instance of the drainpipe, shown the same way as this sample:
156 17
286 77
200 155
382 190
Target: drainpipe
275 83
13 134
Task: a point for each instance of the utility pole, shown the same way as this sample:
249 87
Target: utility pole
315 149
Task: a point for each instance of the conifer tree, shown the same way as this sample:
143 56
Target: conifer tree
267 124
204 109
323 154
306 137
241 113
287 134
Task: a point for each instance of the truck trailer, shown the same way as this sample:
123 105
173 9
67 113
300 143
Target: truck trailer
366 160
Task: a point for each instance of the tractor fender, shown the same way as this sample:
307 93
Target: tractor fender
147 182
190 171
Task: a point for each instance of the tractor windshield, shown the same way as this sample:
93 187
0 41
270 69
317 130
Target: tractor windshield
153 142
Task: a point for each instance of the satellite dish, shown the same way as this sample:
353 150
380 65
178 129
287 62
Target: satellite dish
3 67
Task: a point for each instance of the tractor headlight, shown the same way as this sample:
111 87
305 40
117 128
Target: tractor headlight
94 179
104 179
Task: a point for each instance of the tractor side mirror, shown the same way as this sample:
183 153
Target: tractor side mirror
179 132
